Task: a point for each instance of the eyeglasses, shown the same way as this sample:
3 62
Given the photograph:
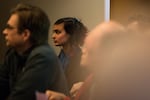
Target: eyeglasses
9 27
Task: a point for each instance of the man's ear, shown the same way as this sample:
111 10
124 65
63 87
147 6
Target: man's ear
26 34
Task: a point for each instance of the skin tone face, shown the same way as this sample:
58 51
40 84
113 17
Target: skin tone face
60 37
85 52
13 37
90 53
91 56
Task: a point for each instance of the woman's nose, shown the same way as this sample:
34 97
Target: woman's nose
53 36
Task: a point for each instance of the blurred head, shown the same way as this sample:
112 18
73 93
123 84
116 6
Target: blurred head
125 68
91 56
70 31
26 24
139 23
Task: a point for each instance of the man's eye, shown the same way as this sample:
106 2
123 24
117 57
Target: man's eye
9 27
57 31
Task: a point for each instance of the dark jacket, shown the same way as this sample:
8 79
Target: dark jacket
37 70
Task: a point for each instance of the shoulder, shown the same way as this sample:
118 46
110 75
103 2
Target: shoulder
44 50
42 56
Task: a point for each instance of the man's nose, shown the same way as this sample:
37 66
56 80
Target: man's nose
4 32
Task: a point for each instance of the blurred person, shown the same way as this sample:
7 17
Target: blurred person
125 70
69 34
30 64
139 23
91 59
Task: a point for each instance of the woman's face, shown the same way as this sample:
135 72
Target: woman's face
60 37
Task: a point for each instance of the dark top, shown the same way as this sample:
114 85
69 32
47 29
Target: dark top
37 70
71 65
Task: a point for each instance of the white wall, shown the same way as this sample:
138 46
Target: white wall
91 12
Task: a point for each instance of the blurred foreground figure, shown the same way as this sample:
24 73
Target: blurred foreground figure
125 69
